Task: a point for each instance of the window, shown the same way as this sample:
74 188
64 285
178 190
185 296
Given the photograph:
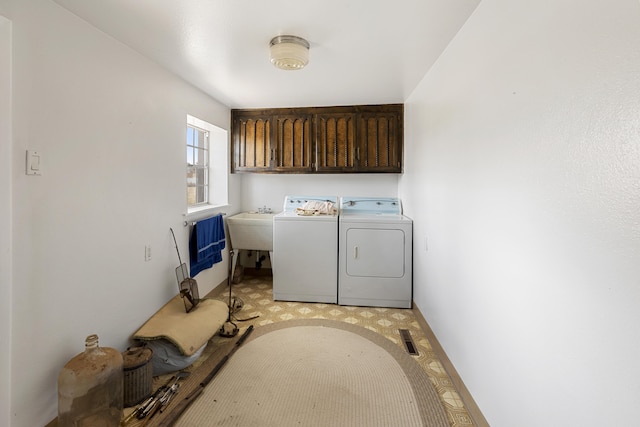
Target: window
197 166
207 160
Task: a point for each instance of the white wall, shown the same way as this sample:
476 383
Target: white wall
259 190
111 127
523 179
5 219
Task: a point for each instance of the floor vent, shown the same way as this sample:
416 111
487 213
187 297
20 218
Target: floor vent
408 342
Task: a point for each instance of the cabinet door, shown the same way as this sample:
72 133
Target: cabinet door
335 137
251 144
293 143
380 135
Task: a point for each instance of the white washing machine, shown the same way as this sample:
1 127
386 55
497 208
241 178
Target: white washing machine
375 253
305 252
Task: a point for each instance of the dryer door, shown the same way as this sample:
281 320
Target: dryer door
375 252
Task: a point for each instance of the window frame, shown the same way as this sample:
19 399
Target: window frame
198 165
217 165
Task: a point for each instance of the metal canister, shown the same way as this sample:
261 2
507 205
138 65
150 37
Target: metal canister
138 375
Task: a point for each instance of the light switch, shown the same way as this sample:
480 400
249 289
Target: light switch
34 162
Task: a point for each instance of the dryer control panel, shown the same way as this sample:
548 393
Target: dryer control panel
370 206
291 203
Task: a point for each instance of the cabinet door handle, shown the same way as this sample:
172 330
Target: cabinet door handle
355 252
358 153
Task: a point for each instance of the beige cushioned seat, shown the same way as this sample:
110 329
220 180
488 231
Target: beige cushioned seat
188 331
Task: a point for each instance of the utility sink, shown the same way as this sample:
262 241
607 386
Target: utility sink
249 230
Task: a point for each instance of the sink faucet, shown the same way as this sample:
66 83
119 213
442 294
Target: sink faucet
264 210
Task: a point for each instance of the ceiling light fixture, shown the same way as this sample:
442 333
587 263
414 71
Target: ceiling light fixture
289 52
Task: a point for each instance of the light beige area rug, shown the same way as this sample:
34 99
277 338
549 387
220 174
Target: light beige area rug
317 372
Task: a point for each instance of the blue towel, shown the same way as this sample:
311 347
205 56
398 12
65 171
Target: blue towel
206 244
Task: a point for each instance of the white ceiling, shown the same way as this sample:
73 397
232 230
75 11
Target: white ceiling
362 51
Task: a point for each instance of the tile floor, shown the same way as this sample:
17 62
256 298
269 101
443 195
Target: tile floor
255 292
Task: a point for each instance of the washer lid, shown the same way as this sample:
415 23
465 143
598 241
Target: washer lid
293 216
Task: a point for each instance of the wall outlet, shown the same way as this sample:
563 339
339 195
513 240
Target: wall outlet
147 253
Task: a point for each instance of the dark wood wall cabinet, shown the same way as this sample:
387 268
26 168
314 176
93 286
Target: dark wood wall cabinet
348 139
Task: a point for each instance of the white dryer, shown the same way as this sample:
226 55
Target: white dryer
305 252
375 253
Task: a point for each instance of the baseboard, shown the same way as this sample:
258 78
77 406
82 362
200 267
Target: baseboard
220 288
470 405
